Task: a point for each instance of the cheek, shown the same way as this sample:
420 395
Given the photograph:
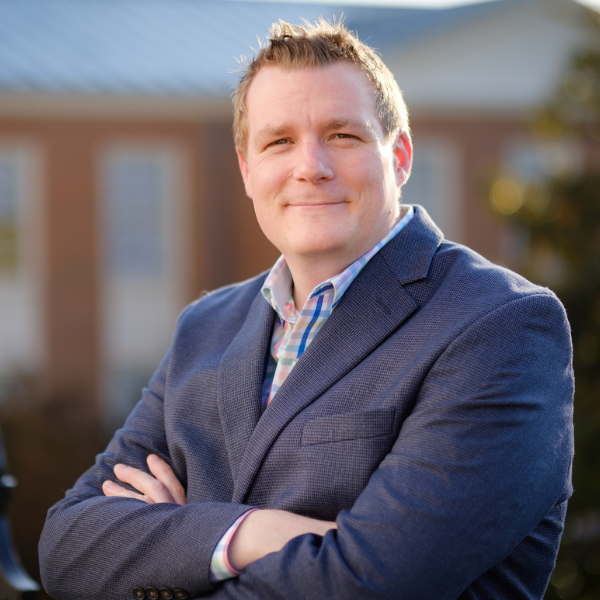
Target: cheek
260 210
266 181
366 172
267 218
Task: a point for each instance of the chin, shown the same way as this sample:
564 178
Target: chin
320 251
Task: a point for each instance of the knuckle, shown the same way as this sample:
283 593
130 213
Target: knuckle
163 471
158 487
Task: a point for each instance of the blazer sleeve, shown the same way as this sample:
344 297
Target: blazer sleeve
96 547
484 456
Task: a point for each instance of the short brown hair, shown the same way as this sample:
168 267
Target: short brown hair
317 45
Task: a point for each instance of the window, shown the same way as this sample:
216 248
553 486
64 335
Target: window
11 200
22 344
434 184
530 162
142 234
135 208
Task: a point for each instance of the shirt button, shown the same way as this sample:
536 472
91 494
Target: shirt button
139 593
152 593
166 593
180 594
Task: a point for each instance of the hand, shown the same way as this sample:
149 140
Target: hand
163 487
266 531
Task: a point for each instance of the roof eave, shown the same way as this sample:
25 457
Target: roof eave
113 107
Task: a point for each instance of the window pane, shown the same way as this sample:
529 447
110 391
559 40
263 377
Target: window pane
8 214
135 207
421 186
427 186
434 184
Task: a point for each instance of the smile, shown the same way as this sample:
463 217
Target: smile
316 204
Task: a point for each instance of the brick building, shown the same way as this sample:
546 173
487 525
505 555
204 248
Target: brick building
120 198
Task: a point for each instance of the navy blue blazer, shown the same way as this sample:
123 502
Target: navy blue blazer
431 417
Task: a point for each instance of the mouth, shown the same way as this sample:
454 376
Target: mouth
315 204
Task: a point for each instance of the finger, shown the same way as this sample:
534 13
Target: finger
163 472
111 489
144 483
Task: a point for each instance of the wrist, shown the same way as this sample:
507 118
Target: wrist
242 547
266 531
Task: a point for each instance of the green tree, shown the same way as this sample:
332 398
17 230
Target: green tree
559 218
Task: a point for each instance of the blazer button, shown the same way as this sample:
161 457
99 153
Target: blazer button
180 594
152 593
139 593
166 593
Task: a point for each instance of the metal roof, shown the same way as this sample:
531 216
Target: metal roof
172 47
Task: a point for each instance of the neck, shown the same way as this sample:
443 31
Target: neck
307 274
309 271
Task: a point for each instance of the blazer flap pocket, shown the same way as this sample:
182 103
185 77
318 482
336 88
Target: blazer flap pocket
349 426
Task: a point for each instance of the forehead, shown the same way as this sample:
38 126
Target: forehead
280 95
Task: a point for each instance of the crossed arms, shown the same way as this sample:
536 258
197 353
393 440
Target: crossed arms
478 464
260 533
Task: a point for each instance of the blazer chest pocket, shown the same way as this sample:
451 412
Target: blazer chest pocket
349 426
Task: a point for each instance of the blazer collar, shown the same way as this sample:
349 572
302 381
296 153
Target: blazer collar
410 253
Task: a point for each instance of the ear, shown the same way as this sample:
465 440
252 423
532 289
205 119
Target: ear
403 152
245 173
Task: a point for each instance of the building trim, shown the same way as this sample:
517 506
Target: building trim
113 107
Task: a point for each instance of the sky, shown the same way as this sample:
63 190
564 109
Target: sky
595 4
421 3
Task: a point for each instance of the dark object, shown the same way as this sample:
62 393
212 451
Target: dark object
15 584
152 593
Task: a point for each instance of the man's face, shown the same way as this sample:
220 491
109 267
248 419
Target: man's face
323 179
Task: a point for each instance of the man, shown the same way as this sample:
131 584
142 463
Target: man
384 415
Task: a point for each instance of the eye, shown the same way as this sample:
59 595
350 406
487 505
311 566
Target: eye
279 142
345 139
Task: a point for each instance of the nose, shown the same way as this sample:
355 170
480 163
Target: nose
312 162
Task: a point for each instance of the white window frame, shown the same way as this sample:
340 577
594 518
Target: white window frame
22 290
135 307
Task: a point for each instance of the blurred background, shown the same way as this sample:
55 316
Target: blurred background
121 201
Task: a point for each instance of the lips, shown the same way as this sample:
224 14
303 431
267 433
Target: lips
314 201
315 204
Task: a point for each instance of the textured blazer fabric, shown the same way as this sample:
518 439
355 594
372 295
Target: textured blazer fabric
431 417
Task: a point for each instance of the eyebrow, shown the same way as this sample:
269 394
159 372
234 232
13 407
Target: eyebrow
272 131
275 131
365 126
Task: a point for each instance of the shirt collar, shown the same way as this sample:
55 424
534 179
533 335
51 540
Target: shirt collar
277 288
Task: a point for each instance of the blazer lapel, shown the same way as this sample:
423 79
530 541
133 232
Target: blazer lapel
240 380
372 308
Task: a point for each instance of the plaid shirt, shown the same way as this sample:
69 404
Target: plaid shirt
292 334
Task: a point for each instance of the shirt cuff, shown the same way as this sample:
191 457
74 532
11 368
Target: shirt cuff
220 567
